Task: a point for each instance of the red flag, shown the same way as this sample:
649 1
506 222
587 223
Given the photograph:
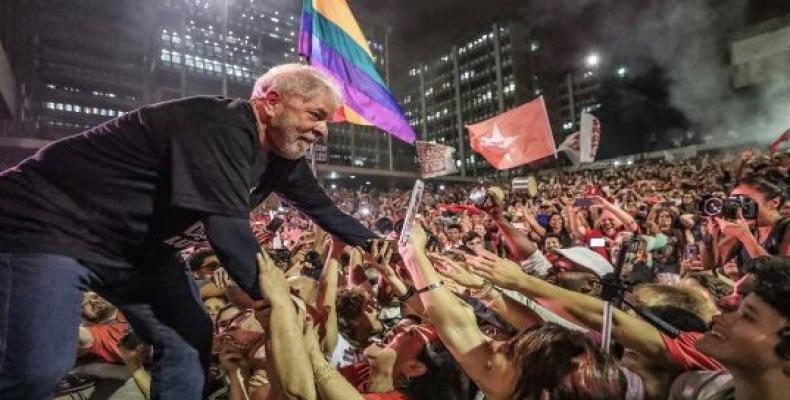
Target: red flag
515 137
778 142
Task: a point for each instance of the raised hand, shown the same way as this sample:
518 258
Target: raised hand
499 271
221 279
456 271
271 279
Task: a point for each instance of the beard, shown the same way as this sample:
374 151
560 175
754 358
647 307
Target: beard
285 137
98 313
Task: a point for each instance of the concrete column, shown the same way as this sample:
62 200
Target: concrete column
459 121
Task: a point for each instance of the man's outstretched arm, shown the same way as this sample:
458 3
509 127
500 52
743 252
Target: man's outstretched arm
303 192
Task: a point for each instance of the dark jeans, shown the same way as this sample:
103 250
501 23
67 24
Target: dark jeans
40 305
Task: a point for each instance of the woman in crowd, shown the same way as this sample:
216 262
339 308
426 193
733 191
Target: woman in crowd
505 369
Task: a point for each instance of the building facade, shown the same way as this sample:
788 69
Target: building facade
491 72
760 54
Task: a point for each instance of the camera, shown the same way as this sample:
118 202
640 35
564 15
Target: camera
711 206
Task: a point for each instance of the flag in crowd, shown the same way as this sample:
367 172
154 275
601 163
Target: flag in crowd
570 146
582 146
777 144
435 159
515 137
332 41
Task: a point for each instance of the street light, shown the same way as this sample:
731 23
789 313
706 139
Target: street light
593 60
621 71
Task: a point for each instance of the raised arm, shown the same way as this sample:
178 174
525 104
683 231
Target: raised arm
519 245
326 303
454 320
290 364
628 330
629 223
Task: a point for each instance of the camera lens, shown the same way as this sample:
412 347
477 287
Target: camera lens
713 206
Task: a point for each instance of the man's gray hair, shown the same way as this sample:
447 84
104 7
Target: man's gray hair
297 79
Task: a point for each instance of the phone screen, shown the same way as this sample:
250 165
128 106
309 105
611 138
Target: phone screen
691 251
597 242
411 212
583 202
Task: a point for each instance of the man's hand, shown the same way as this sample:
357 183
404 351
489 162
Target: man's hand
271 279
497 198
500 271
380 256
456 271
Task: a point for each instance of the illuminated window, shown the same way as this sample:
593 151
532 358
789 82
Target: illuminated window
176 57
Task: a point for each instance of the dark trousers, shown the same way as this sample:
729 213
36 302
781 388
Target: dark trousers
40 305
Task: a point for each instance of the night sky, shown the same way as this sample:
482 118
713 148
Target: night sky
422 26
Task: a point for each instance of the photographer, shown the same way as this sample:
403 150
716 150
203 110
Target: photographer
763 232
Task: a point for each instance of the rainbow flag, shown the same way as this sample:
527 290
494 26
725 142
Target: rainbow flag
331 40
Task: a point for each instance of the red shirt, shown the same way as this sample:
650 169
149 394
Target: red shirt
358 375
595 234
682 351
394 395
106 337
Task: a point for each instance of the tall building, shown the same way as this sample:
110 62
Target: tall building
219 47
476 79
491 72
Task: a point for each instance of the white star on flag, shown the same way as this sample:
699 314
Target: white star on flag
497 140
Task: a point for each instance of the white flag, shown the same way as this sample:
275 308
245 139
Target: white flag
589 137
571 147
435 159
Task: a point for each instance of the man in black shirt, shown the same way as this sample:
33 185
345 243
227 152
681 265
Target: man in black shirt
108 210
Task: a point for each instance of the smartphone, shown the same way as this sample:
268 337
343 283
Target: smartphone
668 204
691 251
411 212
274 225
583 202
597 242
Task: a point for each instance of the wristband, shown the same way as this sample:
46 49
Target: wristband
430 287
409 293
324 372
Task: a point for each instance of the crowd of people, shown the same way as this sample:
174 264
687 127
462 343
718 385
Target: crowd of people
502 295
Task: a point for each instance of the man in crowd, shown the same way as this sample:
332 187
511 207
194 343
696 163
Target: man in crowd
753 343
103 329
108 210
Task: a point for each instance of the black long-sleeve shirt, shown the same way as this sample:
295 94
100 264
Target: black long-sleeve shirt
134 191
